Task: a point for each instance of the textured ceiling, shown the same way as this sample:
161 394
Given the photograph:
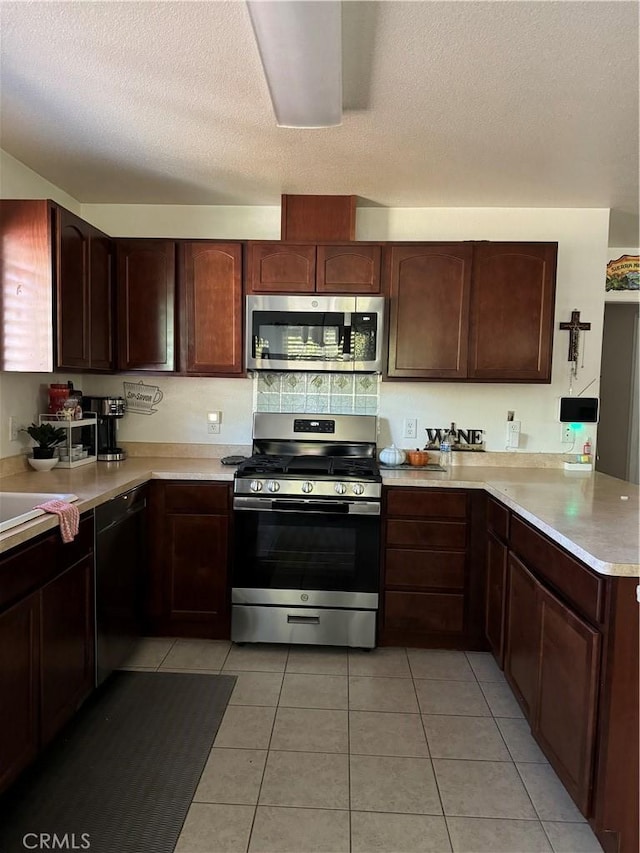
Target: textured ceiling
517 104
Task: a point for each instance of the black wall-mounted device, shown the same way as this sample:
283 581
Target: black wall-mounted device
578 410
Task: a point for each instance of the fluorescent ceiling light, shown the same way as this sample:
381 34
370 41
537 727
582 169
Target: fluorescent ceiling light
300 44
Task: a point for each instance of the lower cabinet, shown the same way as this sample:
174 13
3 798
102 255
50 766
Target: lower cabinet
496 586
428 597
19 670
571 656
188 593
67 646
46 643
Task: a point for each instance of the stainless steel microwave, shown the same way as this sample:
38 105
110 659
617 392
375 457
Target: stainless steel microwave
333 333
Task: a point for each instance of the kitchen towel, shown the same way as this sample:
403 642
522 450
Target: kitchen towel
68 514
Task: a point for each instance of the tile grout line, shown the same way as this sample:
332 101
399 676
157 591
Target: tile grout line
433 769
266 760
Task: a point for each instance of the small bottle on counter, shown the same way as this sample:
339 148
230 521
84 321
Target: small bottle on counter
445 453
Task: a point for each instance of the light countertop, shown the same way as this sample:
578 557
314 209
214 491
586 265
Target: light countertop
585 513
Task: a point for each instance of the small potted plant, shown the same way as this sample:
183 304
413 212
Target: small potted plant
46 437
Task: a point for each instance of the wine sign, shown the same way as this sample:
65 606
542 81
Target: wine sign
466 439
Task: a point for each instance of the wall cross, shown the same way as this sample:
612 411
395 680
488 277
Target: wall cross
574 327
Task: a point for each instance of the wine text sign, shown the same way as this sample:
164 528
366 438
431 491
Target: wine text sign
466 439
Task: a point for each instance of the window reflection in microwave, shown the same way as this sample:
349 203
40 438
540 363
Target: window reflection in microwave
309 343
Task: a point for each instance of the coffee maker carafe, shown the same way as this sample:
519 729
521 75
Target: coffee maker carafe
109 410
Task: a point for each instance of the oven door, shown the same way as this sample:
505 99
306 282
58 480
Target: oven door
312 553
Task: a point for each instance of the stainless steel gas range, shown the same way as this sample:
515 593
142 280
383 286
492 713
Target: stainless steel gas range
307 532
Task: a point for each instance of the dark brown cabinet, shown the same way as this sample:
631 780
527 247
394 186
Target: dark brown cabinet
305 268
210 287
67 646
496 579
46 642
84 299
552 663
471 311
512 304
428 288
146 296
19 668
424 577
189 583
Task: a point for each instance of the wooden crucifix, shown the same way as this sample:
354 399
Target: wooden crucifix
574 327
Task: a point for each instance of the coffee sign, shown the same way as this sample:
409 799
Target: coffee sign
140 398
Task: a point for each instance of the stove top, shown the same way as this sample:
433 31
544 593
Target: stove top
307 465
315 456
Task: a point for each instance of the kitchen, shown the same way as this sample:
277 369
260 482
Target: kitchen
179 426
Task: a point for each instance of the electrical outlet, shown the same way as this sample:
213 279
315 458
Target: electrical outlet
13 429
568 435
410 428
513 433
213 429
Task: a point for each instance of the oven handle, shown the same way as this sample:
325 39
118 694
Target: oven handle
307 506
302 620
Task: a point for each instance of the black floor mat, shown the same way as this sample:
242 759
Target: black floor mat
125 770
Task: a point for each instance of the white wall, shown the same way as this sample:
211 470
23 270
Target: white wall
582 235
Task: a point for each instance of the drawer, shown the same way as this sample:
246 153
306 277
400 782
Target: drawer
498 518
427 534
424 569
424 612
574 580
197 499
426 503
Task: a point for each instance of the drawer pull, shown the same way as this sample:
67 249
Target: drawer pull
303 620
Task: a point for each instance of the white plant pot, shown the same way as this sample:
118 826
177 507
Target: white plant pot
42 464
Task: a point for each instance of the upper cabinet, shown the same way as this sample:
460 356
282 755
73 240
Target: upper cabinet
84 295
512 302
54 265
428 287
146 305
210 285
478 312
274 267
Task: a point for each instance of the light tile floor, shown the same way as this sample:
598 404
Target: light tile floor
324 750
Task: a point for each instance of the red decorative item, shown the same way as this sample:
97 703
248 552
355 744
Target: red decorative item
58 395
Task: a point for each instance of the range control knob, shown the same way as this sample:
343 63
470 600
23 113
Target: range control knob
255 486
340 488
273 486
358 489
307 487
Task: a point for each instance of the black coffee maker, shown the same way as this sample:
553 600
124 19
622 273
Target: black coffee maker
109 410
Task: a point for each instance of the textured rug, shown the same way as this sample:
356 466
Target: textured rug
120 778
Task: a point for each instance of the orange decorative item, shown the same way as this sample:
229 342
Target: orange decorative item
417 457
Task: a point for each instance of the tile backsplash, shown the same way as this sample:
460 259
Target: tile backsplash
335 393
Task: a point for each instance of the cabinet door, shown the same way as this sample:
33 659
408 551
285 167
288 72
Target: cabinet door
348 269
72 290
27 286
196 572
18 688
511 329
565 716
211 299
67 646
146 295
429 311
496 591
523 635
101 301
280 268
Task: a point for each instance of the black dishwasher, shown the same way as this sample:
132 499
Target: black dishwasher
121 557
